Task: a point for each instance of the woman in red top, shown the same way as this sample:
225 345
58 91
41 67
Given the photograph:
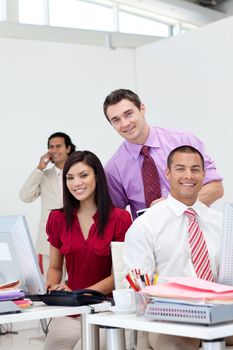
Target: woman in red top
81 234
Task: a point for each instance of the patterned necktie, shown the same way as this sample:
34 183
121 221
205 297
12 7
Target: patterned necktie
150 177
198 247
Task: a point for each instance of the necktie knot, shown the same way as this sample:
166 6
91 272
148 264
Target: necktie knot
145 150
190 213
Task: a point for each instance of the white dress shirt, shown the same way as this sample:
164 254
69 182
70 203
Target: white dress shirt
158 239
59 173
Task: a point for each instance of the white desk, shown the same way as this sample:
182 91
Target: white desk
41 311
129 321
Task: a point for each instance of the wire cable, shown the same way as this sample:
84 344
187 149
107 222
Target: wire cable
7 329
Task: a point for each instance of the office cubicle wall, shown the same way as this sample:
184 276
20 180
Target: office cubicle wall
186 82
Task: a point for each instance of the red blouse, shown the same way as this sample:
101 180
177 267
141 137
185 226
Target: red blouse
87 261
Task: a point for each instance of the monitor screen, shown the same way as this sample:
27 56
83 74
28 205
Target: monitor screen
226 261
18 260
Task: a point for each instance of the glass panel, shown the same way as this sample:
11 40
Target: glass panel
2 12
79 14
95 16
130 23
31 11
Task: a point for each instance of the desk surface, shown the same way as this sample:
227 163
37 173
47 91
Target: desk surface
130 321
40 311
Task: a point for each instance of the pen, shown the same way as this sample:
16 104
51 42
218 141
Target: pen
147 279
155 279
140 283
131 282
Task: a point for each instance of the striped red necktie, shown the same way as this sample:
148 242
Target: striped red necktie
150 177
198 247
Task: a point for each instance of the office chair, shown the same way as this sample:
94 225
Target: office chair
118 265
120 282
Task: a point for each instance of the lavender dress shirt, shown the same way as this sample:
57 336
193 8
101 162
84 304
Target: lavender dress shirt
123 170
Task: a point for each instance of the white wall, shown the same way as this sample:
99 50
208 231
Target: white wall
48 87
186 82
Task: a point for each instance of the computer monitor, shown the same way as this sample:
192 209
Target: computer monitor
18 260
226 261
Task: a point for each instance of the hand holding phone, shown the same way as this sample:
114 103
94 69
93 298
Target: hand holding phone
44 160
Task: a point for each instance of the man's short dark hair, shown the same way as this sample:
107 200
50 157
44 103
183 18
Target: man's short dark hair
184 149
66 138
119 95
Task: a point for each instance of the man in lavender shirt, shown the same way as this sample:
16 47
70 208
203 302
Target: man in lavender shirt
126 113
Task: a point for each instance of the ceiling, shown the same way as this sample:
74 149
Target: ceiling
75 36
206 2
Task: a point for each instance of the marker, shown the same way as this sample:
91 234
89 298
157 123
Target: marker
155 279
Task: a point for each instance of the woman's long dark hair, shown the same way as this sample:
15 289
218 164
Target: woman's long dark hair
102 198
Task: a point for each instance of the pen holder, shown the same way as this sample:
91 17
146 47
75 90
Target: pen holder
142 299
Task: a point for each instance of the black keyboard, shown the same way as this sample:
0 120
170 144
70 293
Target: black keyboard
69 298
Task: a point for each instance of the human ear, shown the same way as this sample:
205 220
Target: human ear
167 172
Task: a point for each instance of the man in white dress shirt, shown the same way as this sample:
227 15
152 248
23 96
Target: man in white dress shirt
47 183
158 239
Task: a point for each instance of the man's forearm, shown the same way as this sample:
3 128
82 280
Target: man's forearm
211 192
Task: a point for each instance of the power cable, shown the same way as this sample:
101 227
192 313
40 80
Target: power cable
7 329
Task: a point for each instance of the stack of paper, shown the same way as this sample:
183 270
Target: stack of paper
192 289
10 291
23 303
10 285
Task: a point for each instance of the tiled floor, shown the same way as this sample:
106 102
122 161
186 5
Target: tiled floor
26 339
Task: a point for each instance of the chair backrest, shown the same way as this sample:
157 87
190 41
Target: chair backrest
118 265
120 282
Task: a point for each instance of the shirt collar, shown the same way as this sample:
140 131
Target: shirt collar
179 208
58 171
95 217
151 141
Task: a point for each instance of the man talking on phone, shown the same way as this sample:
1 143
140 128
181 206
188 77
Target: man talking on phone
46 182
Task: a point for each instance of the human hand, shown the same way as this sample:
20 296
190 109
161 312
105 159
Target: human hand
60 286
44 160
